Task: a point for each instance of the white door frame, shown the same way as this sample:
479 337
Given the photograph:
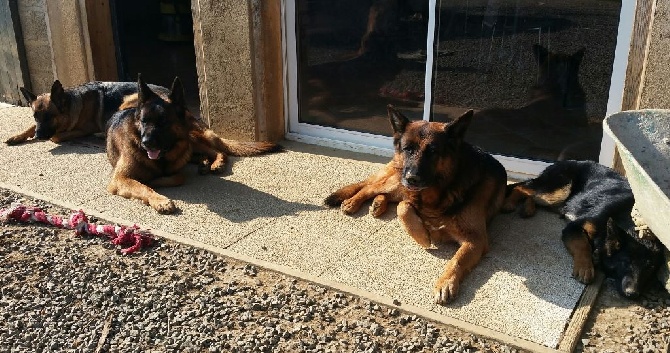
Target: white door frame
315 134
383 145
618 82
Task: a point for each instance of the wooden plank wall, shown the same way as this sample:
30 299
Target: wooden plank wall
637 59
101 39
13 68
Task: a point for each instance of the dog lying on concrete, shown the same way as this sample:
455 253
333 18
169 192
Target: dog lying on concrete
597 202
68 113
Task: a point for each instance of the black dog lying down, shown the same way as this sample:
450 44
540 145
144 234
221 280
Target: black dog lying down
597 202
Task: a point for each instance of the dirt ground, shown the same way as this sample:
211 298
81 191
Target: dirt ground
617 324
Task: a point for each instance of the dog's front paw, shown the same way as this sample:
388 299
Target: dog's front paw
15 140
350 206
423 239
378 206
218 167
508 206
583 270
162 205
445 290
528 209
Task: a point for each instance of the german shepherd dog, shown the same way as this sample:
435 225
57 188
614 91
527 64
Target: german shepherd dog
597 202
447 189
152 138
65 114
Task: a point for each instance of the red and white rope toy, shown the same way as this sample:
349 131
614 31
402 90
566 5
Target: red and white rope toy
132 237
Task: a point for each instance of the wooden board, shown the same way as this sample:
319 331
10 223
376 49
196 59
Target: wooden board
637 59
101 40
13 66
573 332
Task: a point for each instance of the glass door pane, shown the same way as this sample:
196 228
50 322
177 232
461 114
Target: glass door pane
356 56
537 73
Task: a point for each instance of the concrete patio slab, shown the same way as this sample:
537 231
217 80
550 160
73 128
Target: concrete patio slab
269 208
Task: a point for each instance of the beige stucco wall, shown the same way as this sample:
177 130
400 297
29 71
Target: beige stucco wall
36 39
54 38
656 89
68 41
224 66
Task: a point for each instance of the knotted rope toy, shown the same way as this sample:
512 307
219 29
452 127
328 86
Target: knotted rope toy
132 236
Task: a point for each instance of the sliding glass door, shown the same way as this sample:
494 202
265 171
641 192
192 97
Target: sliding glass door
537 74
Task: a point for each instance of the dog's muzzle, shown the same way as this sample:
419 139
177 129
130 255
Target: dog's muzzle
152 153
412 182
44 134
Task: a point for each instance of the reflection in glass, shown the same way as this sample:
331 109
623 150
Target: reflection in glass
537 73
357 56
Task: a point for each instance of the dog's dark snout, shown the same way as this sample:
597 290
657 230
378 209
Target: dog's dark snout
147 141
43 134
629 287
412 179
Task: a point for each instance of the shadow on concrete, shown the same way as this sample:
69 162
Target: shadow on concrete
76 148
332 152
233 201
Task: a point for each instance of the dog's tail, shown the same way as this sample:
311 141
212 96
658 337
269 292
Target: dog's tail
514 196
240 148
510 187
246 149
335 199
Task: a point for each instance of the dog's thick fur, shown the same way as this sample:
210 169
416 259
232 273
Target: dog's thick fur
65 114
447 189
597 202
152 138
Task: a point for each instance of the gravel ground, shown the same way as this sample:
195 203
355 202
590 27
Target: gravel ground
63 293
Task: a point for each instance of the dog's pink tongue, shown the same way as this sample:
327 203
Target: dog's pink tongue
153 154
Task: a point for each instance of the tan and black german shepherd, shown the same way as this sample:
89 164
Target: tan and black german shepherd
596 202
65 114
152 138
447 189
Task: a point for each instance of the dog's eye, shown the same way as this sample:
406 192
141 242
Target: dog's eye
408 148
144 119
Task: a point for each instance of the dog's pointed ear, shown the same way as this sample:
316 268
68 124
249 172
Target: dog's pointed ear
398 120
457 128
58 95
144 93
614 235
29 96
177 93
541 53
57 88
